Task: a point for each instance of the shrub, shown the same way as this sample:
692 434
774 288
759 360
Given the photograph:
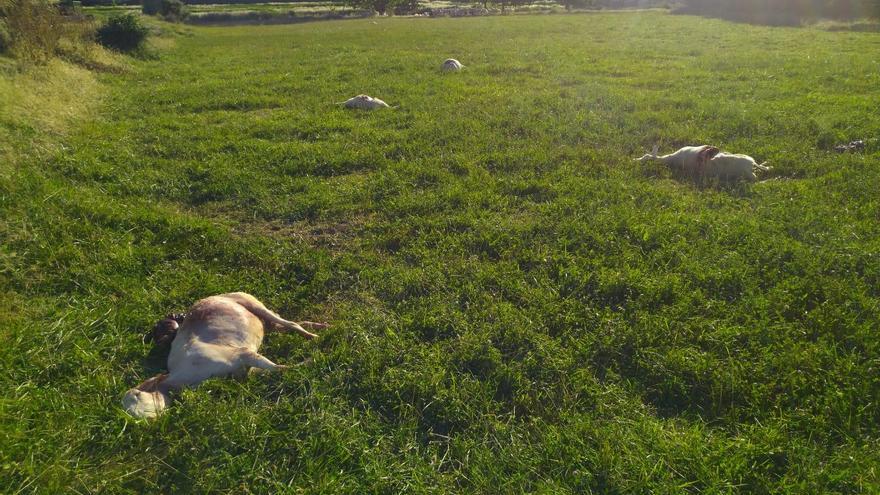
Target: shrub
70 7
122 32
577 4
404 7
5 37
173 10
32 29
151 7
384 6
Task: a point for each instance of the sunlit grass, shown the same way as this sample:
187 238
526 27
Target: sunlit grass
40 103
517 306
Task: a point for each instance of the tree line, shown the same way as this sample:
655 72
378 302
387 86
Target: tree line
747 10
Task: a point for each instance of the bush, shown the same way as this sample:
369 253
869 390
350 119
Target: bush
5 37
577 4
173 10
70 7
384 6
151 7
122 32
32 29
405 7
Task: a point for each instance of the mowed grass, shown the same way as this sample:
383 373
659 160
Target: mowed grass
516 305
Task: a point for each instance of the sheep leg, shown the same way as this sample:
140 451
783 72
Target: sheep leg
291 325
313 325
152 384
256 360
251 304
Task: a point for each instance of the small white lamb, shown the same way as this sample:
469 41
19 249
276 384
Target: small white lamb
364 102
708 161
451 65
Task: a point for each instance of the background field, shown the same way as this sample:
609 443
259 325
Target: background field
280 11
517 306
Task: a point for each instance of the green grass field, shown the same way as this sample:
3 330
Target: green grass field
516 305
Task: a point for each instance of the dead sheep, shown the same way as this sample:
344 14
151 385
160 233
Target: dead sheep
364 102
708 161
858 145
218 336
451 65
687 159
733 166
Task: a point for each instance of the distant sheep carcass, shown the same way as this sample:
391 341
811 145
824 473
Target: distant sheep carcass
708 161
451 65
687 159
733 166
364 102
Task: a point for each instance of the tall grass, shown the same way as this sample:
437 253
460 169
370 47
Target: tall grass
41 105
34 27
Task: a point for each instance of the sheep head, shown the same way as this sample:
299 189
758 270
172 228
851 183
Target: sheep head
649 156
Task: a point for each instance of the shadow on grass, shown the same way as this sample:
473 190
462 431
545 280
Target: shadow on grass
735 188
156 361
760 18
858 27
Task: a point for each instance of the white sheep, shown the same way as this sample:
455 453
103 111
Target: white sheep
364 102
709 161
220 336
733 167
687 159
451 65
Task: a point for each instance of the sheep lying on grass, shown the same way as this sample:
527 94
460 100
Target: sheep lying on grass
687 159
451 65
364 102
857 145
218 336
708 161
734 166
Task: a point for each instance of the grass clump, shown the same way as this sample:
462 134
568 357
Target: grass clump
123 32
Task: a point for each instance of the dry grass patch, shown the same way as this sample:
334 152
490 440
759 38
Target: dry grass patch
41 103
332 235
